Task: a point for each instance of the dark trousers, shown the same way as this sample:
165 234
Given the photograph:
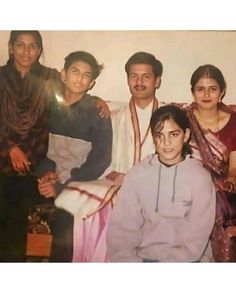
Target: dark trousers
17 195
62 232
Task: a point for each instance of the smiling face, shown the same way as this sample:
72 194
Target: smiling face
142 82
78 78
169 142
207 93
25 52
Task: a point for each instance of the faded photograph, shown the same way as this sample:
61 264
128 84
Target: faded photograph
117 146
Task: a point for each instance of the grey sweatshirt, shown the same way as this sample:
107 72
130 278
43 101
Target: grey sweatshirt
162 213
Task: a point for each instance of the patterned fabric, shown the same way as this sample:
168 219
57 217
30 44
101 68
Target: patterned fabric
25 110
223 243
40 219
214 149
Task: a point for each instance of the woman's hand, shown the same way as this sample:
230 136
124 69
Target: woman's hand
19 160
103 107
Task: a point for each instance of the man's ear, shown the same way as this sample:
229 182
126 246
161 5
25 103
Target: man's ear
187 134
92 85
63 75
158 82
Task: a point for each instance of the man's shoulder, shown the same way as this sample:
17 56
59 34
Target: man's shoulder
116 107
92 111
88 106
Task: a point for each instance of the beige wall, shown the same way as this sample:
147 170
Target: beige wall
181 52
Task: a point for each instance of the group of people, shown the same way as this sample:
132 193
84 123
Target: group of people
42 109
176 164
146 223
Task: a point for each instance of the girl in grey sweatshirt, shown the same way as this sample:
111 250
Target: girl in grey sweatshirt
165 209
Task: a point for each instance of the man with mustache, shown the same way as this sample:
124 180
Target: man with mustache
132 139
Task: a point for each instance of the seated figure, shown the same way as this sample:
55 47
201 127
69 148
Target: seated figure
132 141
80 140
159 217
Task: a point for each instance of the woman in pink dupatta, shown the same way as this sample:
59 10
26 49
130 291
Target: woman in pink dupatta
214 142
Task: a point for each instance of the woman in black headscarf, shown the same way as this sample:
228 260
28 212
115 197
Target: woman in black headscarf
26 92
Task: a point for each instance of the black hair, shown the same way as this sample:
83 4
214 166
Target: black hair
85 57
178 115
145 58
36 34
208 71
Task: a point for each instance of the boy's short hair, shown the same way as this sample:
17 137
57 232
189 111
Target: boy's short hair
85 57
145 58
